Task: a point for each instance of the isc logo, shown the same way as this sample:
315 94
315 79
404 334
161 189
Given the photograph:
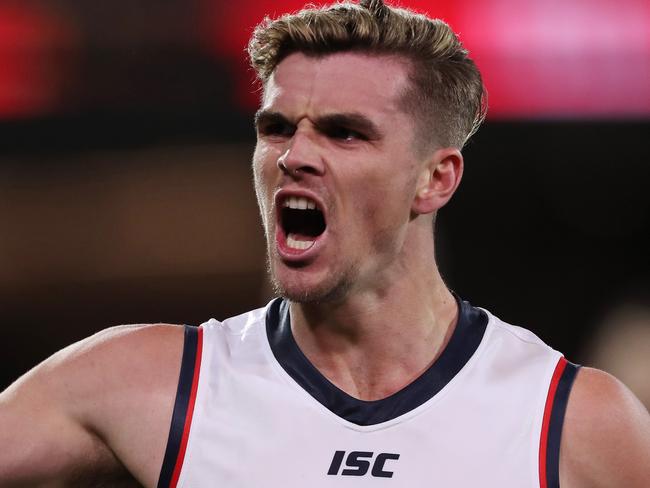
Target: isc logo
358 462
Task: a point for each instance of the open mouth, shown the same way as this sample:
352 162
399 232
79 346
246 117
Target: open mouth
302 222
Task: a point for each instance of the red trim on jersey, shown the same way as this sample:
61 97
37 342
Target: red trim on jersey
190 411
548 408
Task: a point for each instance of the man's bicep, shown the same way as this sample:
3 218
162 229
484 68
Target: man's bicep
99 409
606 435
41 442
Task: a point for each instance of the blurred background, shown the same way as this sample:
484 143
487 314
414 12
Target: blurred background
125 181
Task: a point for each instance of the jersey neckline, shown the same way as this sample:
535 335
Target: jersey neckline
466 338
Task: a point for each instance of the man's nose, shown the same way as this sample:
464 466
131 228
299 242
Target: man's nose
303 155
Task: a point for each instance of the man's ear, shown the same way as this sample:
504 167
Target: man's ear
438 180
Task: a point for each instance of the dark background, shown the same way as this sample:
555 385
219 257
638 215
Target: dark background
126 193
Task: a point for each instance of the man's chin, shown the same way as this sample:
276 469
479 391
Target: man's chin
316 293
310 284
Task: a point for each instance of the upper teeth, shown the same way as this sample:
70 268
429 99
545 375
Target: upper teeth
301 203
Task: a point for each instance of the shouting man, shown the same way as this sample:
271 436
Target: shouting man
367 369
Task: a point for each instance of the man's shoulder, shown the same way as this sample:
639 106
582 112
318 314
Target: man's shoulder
518 341
245 323
134 348
109 352
119 369
606 434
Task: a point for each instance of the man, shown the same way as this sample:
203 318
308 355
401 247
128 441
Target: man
368 370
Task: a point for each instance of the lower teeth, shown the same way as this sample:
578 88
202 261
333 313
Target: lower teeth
296 244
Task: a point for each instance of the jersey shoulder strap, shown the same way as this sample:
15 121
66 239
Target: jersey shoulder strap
183 407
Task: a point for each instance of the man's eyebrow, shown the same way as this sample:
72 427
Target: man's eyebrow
269 117
350 120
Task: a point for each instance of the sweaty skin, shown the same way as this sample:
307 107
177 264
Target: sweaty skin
375 311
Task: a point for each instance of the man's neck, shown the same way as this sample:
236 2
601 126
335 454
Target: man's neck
372 345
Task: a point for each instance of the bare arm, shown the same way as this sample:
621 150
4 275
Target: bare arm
606 435
96 412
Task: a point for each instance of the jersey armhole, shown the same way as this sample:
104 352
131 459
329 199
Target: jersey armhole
551 434
181 422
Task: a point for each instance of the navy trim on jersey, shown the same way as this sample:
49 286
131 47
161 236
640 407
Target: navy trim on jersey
183 394
555 426
464 341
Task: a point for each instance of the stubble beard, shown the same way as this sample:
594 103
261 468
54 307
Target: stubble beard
331 290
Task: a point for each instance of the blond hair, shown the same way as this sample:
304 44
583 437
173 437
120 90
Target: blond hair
446 95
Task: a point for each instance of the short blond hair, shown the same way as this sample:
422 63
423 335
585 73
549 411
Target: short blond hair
446 95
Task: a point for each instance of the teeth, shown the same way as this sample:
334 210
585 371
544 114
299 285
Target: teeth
299 203
296 244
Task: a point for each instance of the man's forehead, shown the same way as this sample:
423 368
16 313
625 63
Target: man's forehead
348 81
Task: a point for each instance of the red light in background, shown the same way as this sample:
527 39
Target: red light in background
552 58
539 58
33 48
227 28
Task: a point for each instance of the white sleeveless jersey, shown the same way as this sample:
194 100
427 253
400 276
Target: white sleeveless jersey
251 411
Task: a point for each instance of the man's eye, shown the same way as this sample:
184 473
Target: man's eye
345 134
277 129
